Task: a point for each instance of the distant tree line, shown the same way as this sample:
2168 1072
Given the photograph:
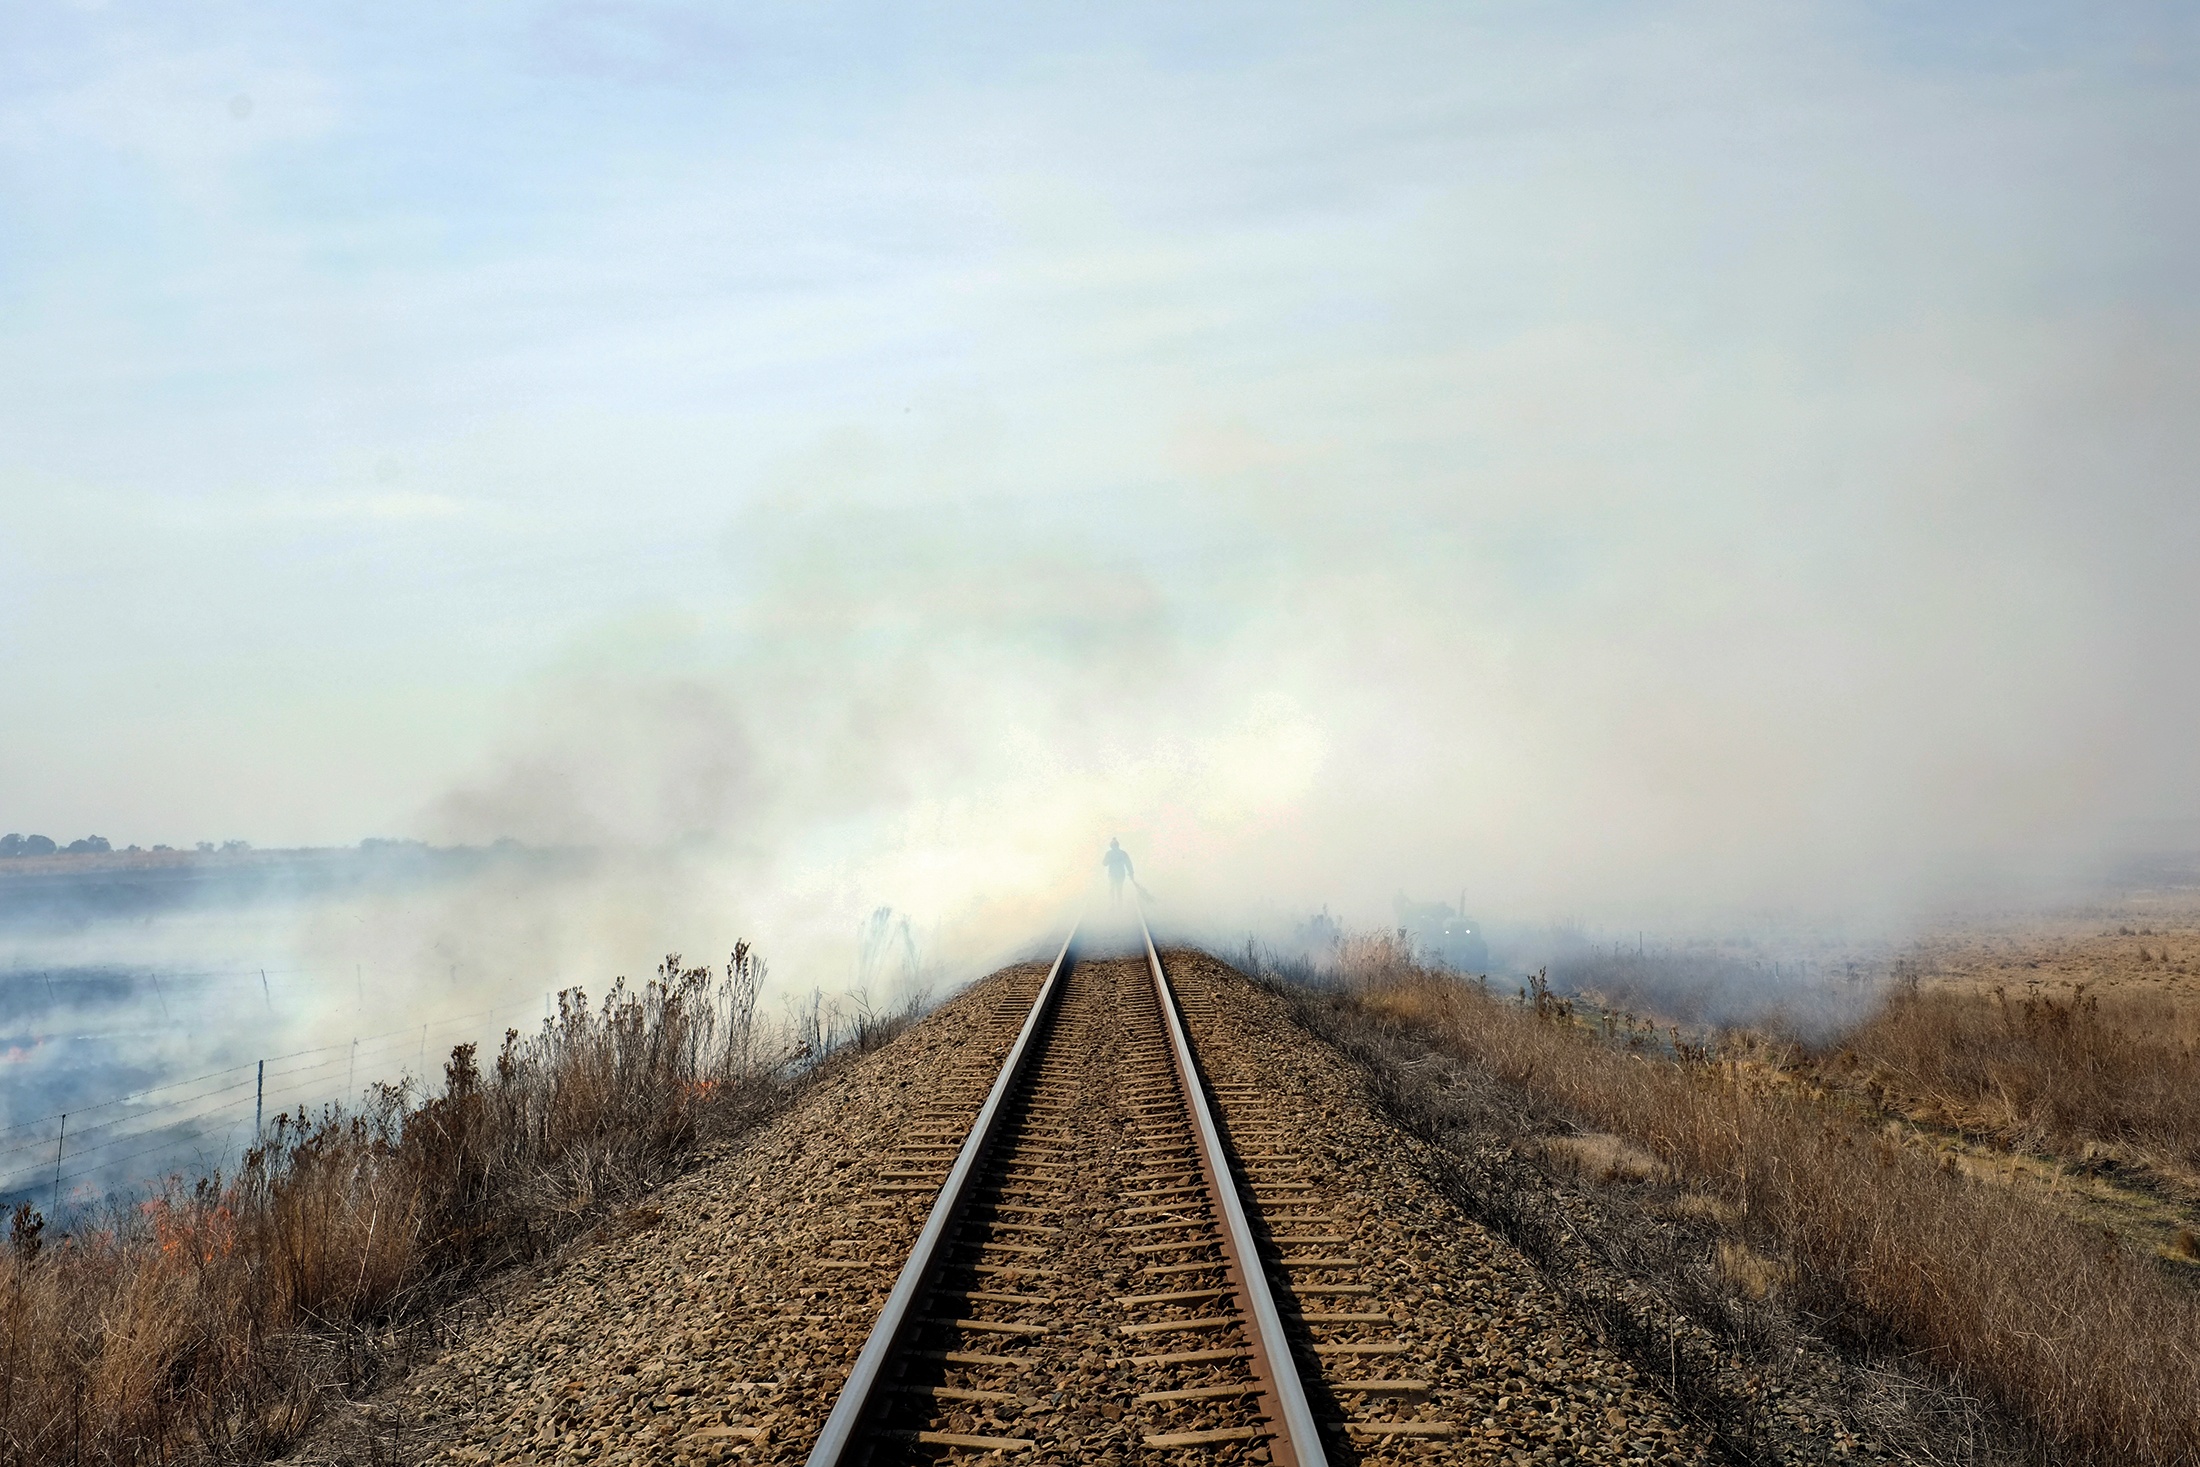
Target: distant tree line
14 844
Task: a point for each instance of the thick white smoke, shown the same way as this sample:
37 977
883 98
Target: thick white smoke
1641 467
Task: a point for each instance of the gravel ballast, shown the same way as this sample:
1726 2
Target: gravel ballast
716 1323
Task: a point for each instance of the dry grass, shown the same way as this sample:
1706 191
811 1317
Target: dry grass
1750 1271
2053 1070
2059 1325
2140 945
207 1322
1603 1158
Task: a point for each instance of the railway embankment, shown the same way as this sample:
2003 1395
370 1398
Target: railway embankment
718 1322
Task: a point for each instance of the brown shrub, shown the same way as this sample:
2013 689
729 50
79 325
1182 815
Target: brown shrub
200 1322
2059 1324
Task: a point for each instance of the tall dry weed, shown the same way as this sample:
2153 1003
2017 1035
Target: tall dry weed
183 1326
2046 1070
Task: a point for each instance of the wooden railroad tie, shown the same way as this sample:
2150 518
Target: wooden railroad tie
1202 1438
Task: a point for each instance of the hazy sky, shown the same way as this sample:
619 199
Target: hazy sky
1594 454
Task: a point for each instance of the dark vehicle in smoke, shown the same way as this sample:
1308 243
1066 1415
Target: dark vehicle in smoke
1443 934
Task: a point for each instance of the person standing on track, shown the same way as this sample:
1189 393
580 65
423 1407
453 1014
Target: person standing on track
1118 862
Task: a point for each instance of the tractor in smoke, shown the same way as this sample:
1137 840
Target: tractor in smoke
1443 934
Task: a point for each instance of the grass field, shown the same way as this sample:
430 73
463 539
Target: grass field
2055 1053
2059 1055
1988 1174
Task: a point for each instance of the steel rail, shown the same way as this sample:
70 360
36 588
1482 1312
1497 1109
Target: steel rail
1283 1394
855 1395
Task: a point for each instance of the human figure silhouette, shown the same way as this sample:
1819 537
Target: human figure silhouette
1118 862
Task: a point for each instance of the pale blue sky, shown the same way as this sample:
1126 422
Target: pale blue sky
1637 437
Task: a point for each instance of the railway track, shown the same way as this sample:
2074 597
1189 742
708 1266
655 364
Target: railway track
1122 1261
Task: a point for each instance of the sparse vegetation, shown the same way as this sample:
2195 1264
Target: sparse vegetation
211 1320
1871 1239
